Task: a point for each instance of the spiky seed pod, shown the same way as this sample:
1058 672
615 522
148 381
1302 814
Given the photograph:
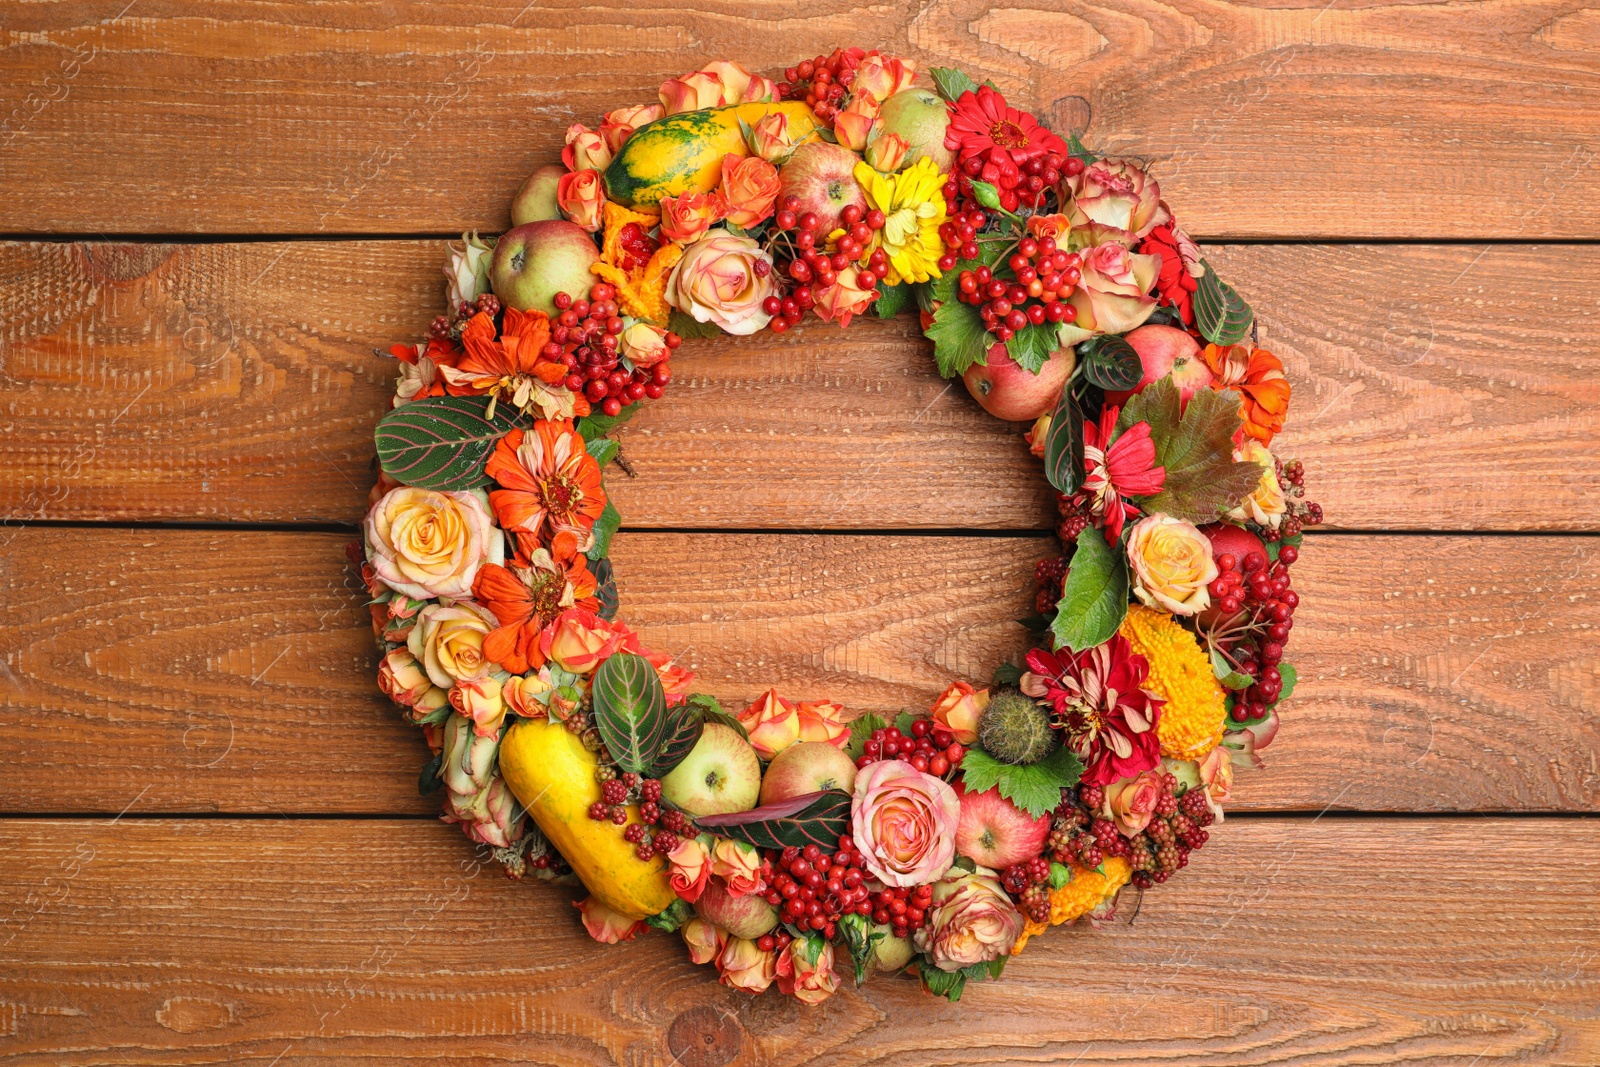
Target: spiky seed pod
1015 729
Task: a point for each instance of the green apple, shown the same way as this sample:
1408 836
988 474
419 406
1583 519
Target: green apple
536 200
537 260
719 776
920 117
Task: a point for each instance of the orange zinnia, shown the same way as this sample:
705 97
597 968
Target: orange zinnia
1257 376
549 484
526 596
516 365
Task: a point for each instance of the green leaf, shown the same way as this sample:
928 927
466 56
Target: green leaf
1110 362
604 529
442 442
860 730
1063 445
960 339
687 326
428 781
947 984
1007 674
603 449
711 711
996 967
951 83
1220 314
1094 599
862 941
1290 677
1076 149
1060 875
1033 787
1032 346
630 710
684 726
1203 479
1230 678
671 917
809 819
605 590
1274 547
592 427
903 721
986 194
892 299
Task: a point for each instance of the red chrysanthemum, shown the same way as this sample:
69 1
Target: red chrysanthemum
1108 719
983 126
1118 469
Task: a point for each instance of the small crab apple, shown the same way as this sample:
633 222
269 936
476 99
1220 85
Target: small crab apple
1009 391
807 767
746 916
822 176
996 832
1166 350
921 118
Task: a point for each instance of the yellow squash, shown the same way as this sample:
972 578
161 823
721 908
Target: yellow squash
553 775
683 153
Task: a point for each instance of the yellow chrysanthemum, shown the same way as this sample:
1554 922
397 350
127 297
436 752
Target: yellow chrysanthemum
1087 891
912 203
1180 673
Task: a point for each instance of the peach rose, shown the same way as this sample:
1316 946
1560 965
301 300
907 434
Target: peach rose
581 198
887 152
425 544
880 76
904 823
853 125
1266 505
1056 227
744 966
823 720
772 723
403 680
770 137
619 125
715 85
749 188
586 149
1131 802
490 817
685 219
605 925
644 345
526 696
675 680
845 298
1036 436
705 940
971 920
805 970
480 700
579 641
1216 775
448 642
958 710
739 866
1172 564
723 279
689 869
1116 194
1113 296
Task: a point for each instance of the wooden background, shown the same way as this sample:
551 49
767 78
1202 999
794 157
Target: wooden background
213 850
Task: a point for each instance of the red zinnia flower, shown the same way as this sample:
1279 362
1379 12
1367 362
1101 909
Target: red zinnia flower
983 126
1117 469
1108 719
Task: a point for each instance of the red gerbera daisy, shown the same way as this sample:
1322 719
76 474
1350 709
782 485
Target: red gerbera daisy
983 126
1108 719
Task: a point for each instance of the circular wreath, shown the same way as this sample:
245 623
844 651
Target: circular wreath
792 841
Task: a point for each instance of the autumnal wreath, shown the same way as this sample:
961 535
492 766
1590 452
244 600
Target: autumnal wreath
793 840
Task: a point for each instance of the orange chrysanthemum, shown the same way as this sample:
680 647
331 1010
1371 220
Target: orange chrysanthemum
549 485
513 366
641 284
1257 376
526 596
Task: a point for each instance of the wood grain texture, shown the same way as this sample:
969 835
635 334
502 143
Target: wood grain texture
1370 120
1285 942
234 671
1436 387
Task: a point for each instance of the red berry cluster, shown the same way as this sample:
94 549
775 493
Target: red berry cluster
670 825
901 908
929 747
1075 518
1177 827
449 326
1028 883
1043 276
799 244
1249 620
1051 574
1028 185
583 338
1298 512
823 82
814 889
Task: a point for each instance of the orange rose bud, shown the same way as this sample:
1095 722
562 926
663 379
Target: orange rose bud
581 197
687 218
750 188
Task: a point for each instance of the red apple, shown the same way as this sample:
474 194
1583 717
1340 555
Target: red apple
807 767
822 175
995 832
1009 392
537 260
1228 538
1166 350
746 916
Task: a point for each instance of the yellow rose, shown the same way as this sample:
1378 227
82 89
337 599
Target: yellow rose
448 642
426 544
772 723
1265 506
1172 564
958 710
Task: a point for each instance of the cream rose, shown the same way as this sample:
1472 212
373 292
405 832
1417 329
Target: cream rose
1266 505
448 642
971 920
1113 296
1115 193
723 279
1172 564
426 544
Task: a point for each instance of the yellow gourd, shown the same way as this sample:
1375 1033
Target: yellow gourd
683 153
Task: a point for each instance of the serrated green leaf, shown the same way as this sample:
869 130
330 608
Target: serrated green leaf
1290 677
1063 445
605 527
1060 875
960 339
892 299
903 721
630 710
593 427
861 729
1007 674
1032 346
1203 479
1033 787
951 83
1094 598
442 442
1220 313
603 449
1110 362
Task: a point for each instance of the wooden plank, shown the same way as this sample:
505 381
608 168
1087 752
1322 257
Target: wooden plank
233 672
237 382
1310 121
1284 942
